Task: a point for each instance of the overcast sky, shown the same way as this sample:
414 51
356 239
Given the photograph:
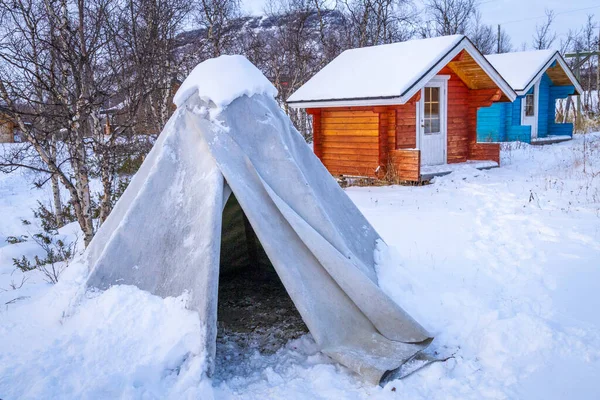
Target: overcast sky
517 17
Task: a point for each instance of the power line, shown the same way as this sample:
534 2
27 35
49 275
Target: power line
543 16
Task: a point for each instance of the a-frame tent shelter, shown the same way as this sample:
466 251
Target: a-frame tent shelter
228 137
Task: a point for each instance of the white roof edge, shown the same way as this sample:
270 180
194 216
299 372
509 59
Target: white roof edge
418 84
558 58
347 103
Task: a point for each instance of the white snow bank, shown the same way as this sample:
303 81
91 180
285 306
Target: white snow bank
224 79
122 343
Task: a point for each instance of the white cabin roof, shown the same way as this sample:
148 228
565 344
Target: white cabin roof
386 74
524 68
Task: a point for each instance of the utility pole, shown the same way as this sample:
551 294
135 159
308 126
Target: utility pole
499 38
581 57
578 76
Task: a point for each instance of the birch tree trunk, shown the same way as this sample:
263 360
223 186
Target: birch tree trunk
54 180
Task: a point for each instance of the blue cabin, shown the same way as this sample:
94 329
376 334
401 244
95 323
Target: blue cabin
539 78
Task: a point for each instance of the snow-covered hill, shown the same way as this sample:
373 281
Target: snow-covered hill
503 264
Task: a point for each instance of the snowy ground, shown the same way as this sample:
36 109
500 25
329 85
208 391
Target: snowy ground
503 264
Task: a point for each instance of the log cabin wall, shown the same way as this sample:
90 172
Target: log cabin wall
405 164
362 141
346 139
457 126
404 158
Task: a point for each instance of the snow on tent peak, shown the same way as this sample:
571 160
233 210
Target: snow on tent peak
222 80
201 209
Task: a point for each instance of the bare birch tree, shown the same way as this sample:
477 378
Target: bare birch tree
449 17
544 37
373 22
485 37
50 73
215 16
62 64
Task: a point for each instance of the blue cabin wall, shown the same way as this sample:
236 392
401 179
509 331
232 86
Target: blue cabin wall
491 123
514 130
502 121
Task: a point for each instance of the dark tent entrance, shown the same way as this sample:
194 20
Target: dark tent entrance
255 311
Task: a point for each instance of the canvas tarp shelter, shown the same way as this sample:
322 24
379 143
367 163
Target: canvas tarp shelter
164 234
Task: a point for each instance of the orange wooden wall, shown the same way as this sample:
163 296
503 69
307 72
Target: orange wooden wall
347 139
406 124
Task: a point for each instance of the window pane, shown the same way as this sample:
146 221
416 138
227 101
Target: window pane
427 95
427 126
435 125
435 94
435 109
529 106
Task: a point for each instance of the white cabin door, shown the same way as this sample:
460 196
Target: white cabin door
431 123
529 110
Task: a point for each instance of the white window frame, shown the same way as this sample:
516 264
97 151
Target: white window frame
536 107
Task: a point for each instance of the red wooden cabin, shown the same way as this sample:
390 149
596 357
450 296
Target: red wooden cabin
406 108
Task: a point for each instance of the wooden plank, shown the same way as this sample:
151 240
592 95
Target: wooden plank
343 113
349 139
485 151
350 165
329 126
349 157
406 163
350 132
350 120
357 149
366 149
351 146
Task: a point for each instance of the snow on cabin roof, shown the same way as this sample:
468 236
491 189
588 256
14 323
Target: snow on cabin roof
222 80
522 69
386 74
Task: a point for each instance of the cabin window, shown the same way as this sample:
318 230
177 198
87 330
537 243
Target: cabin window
529 106
431 117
